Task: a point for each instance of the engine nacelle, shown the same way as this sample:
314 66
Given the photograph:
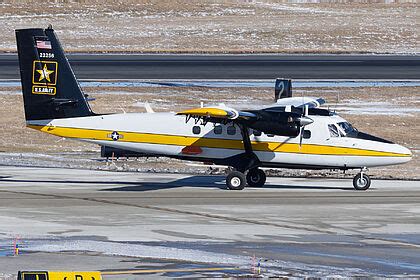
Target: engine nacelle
278 123
276 128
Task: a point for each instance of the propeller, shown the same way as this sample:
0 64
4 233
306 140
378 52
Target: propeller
304 121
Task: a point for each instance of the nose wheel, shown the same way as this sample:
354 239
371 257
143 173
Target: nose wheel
361 181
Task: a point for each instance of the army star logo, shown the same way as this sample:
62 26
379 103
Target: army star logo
44 73
44 77
115 136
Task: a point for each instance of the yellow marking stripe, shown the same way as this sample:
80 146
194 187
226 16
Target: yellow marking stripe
212 112
138 271
164 139
60 275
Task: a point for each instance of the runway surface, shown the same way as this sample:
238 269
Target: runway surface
174 225
106 66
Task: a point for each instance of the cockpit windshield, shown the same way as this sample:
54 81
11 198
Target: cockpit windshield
347 128
333 130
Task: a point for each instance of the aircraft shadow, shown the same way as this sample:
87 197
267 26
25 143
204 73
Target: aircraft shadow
193 181
210 182
199 181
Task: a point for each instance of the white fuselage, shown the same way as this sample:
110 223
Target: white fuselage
169 135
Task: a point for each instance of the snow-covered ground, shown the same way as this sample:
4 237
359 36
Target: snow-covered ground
220 26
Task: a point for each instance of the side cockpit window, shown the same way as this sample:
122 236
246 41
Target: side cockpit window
333 130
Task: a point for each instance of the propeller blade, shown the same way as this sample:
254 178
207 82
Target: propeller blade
301 136
304 121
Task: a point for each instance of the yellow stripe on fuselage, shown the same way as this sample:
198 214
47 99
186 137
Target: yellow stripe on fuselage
164 139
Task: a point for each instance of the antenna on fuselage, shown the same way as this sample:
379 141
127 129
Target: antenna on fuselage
337 100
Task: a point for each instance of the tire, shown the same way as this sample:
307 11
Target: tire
361 183
235 181
256 178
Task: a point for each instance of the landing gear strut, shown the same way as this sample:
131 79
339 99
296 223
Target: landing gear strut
361 181
248 161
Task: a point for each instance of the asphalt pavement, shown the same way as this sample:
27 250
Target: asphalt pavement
171 225
123 66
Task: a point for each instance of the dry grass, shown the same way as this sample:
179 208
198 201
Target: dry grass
213 26
400 128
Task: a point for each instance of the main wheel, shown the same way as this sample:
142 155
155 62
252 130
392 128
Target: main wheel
361 183
256 178
235 181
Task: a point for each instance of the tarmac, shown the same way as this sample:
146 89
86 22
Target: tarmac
252 66
180 225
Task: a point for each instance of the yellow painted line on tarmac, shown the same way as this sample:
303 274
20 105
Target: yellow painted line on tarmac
139 271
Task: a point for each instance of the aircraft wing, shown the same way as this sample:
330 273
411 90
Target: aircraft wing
280 123
218 113
300 102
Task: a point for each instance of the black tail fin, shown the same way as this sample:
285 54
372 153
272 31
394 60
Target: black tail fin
282 89
50 89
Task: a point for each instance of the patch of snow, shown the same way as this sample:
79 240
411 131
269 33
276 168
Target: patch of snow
137 250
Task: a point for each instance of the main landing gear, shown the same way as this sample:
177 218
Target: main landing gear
245 163
255 178
237 180
361 181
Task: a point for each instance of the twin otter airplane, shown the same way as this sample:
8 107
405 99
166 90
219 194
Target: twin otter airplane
292 133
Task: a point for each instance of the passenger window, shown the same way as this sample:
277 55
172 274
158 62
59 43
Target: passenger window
257 133
333 130
196 129
306 134
218 129
231 130
270 135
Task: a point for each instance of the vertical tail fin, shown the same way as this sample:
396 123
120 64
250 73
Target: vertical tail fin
282 89
50 89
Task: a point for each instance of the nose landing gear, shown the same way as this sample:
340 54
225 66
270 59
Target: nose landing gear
361 181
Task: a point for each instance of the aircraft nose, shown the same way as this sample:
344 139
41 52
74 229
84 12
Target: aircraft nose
405 153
